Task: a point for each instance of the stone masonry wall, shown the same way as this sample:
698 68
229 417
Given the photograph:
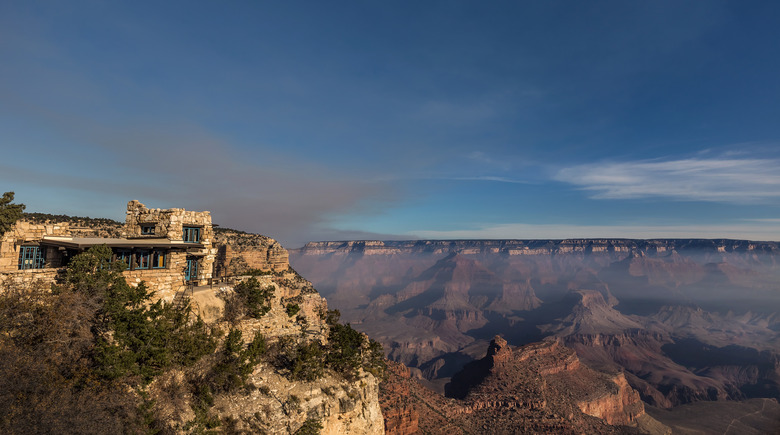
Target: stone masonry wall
169 223
22 279
165 283
26 232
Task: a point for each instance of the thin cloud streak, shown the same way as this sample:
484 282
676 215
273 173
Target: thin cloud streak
490 178
715 179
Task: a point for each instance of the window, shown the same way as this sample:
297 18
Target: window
30 257
147 229
191 234
191 269
124 255
142 259
158 259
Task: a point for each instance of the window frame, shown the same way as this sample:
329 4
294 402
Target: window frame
188 232
32 257
191 269
125 255
148 229
140 255
161 255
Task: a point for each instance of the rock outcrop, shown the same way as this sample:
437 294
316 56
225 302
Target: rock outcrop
401 415
272 403
538 388
278 406
239 252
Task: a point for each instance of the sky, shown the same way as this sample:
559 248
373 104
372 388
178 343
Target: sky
339 120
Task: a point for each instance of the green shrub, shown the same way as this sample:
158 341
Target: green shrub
292 309
133 336
256 299
73 356
344 349
302 361
349 350
331 317
203 400
47 380
235 362
311 426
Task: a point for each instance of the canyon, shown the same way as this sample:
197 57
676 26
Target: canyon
685 321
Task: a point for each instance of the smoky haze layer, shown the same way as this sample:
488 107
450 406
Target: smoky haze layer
686 319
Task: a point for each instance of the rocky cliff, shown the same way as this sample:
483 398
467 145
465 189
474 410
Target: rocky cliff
272 402
539 388
621 247
239 252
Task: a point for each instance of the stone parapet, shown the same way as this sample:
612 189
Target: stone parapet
24 233
27 278
167 223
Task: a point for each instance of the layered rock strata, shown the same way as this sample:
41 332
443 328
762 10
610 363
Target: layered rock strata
637 306
239 252
538 388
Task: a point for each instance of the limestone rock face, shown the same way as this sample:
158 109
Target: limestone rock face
281 407
401 417
239 252
621 407
543 380
537 388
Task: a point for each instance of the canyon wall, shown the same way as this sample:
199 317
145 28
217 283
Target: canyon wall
630 305
538 388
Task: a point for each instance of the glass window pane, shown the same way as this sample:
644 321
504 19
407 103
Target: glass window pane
31 257
191 234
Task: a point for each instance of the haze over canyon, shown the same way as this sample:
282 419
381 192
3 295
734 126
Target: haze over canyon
686 321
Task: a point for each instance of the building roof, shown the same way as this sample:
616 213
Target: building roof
87 242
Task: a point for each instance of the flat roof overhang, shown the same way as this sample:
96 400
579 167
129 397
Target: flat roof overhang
88 242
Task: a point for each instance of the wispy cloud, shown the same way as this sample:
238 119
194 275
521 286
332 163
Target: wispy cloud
489 178
696 179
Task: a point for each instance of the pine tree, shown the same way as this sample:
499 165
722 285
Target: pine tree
9 213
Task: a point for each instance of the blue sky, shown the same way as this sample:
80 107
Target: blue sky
334 120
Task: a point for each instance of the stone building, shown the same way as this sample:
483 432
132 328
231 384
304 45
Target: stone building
167 249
